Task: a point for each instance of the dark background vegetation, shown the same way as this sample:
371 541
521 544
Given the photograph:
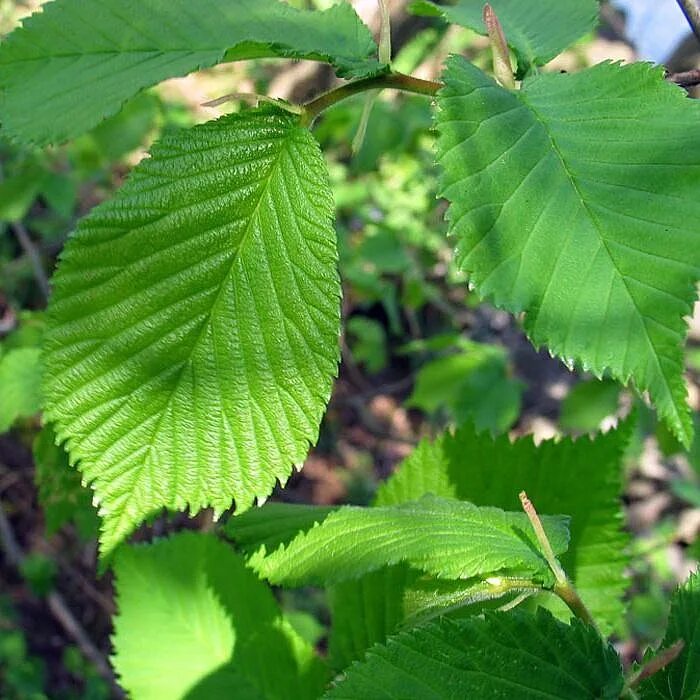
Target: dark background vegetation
419 352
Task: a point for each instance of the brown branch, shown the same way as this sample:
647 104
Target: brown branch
32 253
59 609
686 79
691 10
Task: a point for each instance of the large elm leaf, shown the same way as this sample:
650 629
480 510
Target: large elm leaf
76 62
680 680
446 538
574 200
207 625
193 328
536 31
504 655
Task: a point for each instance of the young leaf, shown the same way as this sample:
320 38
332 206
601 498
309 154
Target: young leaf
680 680
207 626
490 472
573 200
193 328
66 69
536 32
20 385
450 539
503 655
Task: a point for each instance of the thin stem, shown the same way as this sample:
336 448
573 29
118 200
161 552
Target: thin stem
686 79
394 81
32 253
384 33
654 665
58 607
542 538
691 10
563 587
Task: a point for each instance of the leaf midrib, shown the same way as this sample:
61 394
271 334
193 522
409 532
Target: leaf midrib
219 295
603 241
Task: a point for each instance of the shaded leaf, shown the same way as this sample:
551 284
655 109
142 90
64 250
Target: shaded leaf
502 656
680 680
69 68
537 32
573 199
20 385
207 625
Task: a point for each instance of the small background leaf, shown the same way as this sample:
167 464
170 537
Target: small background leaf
536 32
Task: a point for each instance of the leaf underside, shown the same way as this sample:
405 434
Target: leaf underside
67 68
575 199
504 655
536 32
446 538
193 327
207 625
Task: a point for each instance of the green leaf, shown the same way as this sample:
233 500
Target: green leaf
572 200
536 32
490 471
193 328
274 524
472 385
69 68
62 497
680 680
18 192
504 655
446 538
20 379
364 611
588 403
207 625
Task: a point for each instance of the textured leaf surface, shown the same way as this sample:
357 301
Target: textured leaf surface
207 625
274 524
72 64
505 655
574 200
491 472
446 538
536 31
680 680
193 333
485 471
20 385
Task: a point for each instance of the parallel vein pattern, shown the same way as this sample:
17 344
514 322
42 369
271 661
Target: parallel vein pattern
446 538
76 62
575 200
504 655
194 323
